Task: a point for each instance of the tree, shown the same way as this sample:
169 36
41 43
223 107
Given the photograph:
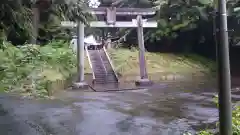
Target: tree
16 16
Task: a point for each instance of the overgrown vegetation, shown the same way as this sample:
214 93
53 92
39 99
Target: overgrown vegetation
29 68
17 18
126 62
235 121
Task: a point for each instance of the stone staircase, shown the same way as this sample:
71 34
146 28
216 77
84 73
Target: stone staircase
102 68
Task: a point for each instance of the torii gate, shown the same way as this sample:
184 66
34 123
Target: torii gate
111 13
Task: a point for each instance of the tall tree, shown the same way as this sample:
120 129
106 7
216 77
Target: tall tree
16 16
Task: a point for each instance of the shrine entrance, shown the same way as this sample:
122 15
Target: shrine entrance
111 14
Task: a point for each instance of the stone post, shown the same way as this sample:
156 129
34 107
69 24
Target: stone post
142 62
80 84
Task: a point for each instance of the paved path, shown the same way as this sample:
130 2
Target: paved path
169 110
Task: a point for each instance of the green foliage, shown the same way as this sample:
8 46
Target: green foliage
29 68
235 120
200 133
210 65
175 15
204 133
16 18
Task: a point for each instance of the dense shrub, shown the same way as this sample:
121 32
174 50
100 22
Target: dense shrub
235 121
28 68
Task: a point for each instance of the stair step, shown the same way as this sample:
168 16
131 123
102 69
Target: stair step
105 82
97 82
104 73
113 79
103 79
103 76
100 66
114 83
109 78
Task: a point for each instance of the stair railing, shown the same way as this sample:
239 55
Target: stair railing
109 60
90 64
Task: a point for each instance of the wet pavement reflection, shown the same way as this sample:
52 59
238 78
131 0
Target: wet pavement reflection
167 108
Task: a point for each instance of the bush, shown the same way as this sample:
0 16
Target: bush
29 68
235 121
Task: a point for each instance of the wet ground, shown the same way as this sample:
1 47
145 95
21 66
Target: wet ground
168 108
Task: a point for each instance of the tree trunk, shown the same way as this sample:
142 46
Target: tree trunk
35 24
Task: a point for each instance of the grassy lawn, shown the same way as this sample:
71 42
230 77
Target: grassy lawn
126 62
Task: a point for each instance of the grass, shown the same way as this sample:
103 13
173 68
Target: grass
126 62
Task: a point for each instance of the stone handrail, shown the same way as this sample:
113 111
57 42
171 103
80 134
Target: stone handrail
90 63
110 63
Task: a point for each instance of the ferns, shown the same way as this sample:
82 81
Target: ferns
28 68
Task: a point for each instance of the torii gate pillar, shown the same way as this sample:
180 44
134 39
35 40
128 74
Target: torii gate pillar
80 83
143 81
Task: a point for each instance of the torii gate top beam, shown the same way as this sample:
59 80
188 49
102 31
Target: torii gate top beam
123 11
103 24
